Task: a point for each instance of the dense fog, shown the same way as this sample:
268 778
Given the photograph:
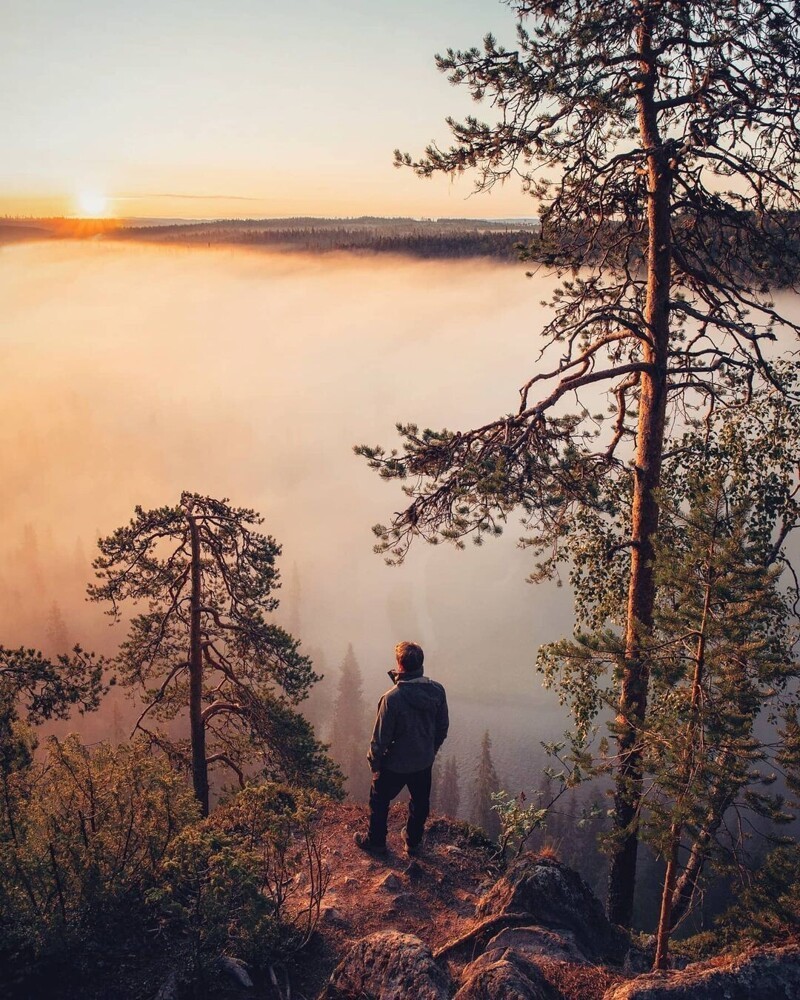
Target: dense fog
132 373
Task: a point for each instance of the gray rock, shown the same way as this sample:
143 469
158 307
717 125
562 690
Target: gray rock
759 974
504 975
403 900
390 882
560 946
330 915
641 955
388 966
169 988
557 898
236 970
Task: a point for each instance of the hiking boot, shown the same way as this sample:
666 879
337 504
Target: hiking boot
412 850
362 840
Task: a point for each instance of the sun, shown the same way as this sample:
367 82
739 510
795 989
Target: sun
92 204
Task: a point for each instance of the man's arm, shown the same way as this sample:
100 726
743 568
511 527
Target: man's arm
442 723
382 735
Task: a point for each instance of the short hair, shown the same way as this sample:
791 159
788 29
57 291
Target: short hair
409 655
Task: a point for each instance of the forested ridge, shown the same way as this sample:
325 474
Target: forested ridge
440 239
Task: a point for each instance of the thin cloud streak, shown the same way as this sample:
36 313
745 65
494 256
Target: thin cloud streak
188 197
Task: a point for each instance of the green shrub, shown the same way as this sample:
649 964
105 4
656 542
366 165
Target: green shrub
82 838
247 882
767 909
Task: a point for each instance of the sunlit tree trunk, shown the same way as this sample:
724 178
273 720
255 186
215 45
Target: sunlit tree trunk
198 731
644 521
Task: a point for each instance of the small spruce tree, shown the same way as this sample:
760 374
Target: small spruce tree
56 635
448 795
486 785
349 736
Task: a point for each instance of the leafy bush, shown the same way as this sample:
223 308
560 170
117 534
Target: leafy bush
249 881
767 909
82 838
103 855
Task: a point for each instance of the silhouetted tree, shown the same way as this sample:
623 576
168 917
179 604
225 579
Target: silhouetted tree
34 689
448 796
204 642
117 725
486 784
318 706
569 831
349 732
56 631
662 143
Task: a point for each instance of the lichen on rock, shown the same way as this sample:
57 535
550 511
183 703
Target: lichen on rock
388 966
556 897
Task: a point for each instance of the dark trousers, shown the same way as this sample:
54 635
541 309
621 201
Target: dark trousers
387 786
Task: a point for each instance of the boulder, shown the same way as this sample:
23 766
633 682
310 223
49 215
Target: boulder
236 970
388 966
530 941
504 975
331 915
758 974
170 988
556 897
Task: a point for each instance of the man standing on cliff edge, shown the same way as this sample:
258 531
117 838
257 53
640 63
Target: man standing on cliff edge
410 727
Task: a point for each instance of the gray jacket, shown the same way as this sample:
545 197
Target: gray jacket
411 725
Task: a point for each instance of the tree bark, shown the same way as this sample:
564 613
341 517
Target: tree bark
670 875
645 509
198 730
685 887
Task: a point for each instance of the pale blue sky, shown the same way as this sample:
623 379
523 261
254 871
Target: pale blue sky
297 107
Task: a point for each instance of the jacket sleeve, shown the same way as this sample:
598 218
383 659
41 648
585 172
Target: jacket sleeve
382 734
442 723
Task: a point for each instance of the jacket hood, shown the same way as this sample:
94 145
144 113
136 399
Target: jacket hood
405 675
420 691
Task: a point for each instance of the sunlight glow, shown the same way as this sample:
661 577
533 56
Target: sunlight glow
92 204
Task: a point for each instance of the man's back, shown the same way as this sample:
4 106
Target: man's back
411 725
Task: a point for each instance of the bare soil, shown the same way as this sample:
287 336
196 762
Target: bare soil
433 896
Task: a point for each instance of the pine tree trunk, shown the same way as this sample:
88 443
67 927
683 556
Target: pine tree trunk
644 513
664 919
685 887
198 732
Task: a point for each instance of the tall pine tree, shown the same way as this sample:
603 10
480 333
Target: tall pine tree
448 793
661 141
486 784
349 732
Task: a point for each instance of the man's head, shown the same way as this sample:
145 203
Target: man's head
409 656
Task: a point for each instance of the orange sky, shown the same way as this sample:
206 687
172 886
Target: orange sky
257 108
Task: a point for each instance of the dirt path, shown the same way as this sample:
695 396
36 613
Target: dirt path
432 896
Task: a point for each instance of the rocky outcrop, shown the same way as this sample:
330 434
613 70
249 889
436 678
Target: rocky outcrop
388 966
505 975
539 942
557 898
760 974
421 931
